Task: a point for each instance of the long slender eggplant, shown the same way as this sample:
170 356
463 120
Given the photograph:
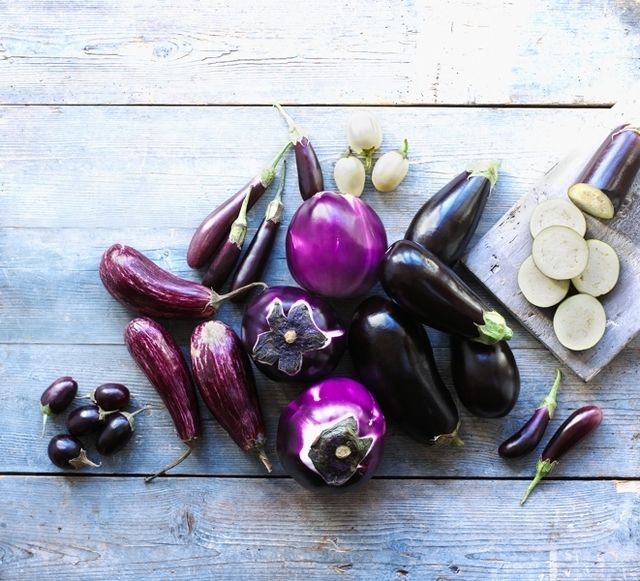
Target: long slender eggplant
57 397
430 291
447 221
528 436
310 180
607 178
156 353
255 259
211 232
224 378
486 377
577 426
393 358
141 285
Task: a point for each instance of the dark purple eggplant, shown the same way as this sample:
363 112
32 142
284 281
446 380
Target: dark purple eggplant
213 229
223 375
66 451
141 285
111 396
447 221
435 295
57 397
117 431
85 420
292 335
392 356
255 259
576 427
486 377
156 353
310 180
608 176
528 436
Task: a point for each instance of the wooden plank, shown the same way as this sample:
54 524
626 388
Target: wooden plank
361 52
239 529
613 451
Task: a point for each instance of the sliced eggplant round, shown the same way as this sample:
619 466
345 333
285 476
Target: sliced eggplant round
602 271
579 322
557 212
539 289
560 252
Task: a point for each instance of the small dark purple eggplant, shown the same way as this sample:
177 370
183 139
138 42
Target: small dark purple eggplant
527 438
66 451
110 396
57 397
85 420
117 431
486 377
576 427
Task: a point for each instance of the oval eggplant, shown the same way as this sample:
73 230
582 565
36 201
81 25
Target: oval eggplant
331 436
429 290
291 335
86 419
117 431
65 451
486 377
111 396
447 221
392 356
224 378
57 397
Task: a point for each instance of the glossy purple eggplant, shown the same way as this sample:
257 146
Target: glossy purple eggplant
85 420
486 377
576 427
111 396
57 397
528 436
310 180
392 356
430 291
213 229
447 221
291 335
223 375
141 285
116 432
65 451
606 180
158 356
331 436
334 245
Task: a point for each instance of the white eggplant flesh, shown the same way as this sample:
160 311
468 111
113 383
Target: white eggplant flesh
560 252
557 212
602 271
539 289
580 322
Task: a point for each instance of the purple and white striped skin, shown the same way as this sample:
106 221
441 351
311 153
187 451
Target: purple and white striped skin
160 358
334 245
331 436
213 229
223 375
57 397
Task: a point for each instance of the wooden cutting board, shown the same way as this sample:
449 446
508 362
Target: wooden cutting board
496 258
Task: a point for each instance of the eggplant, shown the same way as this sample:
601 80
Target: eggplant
292 336
117 431
392 356
447 221
605 181
211 232
86 420
110 396
577 426
66 451
223 375
331 436
486 377
141 285
528 436
310 180
158 356
431 292
57 397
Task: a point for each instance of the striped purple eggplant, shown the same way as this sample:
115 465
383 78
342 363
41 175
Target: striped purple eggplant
224 378
57 397
141 285
156 353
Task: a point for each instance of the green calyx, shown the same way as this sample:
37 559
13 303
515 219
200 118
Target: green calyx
404 149
240 225
275 208
268 174
549 401
452 439
494 329
543 469
488 170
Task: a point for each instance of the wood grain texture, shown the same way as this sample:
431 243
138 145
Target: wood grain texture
211 528
257 52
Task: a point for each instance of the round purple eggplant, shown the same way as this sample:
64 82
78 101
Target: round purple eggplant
486 377
117 431
65 451
291 335
392 356
57 397
331 436
85 420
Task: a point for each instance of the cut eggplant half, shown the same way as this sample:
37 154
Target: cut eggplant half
539 289
560 252
602 271
579 322
557 212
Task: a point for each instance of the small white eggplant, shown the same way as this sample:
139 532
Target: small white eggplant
391 169
364 134
349 175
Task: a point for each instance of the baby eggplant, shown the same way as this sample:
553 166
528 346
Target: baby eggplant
110 396
66 451
84 420
57 397
117 431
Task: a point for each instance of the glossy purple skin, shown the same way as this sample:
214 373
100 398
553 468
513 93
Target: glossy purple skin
141 285
222 265
223 375
310 180
64 448
156 353
115 435
315 364
111 396
58 395
578 425
319 408
84 420
527 437
334 245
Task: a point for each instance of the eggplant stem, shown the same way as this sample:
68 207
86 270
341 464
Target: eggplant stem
404 149
549 401
216 299
368 157
173 464
494 330
275 208
295 133
489 170
457 441
240 224
543 468
82 460
45 417
264 458
268 174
